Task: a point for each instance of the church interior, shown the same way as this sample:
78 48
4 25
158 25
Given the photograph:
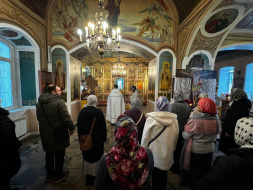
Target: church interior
159 46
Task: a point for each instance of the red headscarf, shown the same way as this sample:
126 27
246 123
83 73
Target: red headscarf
127 162
207 105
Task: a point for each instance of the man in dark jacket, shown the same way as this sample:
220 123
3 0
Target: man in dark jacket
52 114
10 146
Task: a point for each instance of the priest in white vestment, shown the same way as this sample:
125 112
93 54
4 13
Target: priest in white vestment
135 94
115 105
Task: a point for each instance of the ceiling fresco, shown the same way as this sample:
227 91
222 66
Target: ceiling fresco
17 38
150 20
246 22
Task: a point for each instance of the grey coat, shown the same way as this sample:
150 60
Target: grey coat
58 115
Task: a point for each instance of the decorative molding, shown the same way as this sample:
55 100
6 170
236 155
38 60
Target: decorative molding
203 43
225 3
15 15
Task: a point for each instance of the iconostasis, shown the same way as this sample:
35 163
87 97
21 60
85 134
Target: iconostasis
129 71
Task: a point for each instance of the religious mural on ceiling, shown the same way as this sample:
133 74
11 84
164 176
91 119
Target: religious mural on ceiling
148 19
220 20
246 22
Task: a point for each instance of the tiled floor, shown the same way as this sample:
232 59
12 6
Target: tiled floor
32 172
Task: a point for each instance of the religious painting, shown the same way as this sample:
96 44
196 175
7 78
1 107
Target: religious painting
246 22
75 78
151 80
105 96
239 82
107 86
46 79
131 71
130 84
97 71
99 87
107 71
220 20
140 86
165 74
141 72
59 70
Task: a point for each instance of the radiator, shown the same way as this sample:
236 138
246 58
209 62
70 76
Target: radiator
20 126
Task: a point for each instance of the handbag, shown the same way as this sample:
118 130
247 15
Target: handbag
157 136
86 140
60 134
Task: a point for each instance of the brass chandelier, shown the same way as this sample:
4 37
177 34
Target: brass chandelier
96 34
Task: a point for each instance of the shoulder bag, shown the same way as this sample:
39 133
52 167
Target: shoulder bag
139 120
157 136
60 134
86 140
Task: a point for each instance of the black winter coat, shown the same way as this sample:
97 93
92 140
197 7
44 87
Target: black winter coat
58 116
230 172
238 110
9 157
99 134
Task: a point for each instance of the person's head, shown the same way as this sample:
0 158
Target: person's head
125 133
162 104
133 88
116 86
207 105
136 104
237 93
196 101
92 100
203 95
178 96
54 89
244 132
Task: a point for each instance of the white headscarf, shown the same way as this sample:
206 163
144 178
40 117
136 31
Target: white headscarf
244 132
203 95
92 100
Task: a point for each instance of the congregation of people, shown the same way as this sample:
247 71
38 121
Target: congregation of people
174 137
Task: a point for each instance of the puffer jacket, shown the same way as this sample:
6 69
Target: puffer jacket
58 116
232 171
164 146
99 134
238 110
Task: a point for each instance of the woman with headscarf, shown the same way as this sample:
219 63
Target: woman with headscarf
182 109
239 106
160 134
127 165
195 110
233 171
200 133
135 113
99 135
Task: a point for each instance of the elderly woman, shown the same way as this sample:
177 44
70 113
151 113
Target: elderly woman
84 122
200 132
239 106
160 134
127 165
135 113
182 109
233 171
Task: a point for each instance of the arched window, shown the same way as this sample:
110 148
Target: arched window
5 75
226 80
248 82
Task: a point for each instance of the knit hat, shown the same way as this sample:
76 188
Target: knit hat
244 132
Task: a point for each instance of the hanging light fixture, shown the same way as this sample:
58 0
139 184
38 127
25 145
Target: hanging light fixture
119 71
96 34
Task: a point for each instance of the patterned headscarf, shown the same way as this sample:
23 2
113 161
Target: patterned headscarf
178 96
244 132
127 162
136 104
237 94
92 100
207 105
162 104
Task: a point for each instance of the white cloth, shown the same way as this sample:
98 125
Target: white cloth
90 168
164 146
115 105
134 95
